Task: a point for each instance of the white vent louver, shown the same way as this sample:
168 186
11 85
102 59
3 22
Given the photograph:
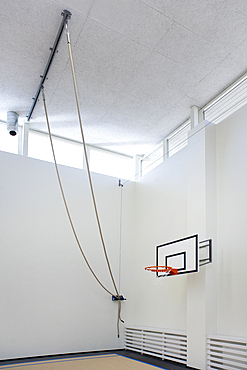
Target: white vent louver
226 353
227 103
165 344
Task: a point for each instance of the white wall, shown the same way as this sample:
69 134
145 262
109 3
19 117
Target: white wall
202 220
201 189
50 303
160 217
232 230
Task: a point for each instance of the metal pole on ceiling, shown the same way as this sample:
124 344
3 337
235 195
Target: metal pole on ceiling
66 16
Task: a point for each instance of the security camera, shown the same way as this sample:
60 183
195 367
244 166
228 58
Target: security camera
12 123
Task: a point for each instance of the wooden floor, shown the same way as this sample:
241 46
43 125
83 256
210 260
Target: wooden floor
103 362
120 360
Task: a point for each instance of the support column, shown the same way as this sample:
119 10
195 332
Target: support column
25 138
20 140
137 167
202 220
194 116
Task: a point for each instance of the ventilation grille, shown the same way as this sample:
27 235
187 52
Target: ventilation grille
230 101
226 353
165 344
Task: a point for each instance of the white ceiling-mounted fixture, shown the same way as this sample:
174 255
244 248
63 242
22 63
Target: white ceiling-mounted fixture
12 123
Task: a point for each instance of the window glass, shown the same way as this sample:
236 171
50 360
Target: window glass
179 140
39 146
111 164
71 154
68 153
8 143
152 160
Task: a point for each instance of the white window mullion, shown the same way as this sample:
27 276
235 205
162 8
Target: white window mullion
20 140
25 138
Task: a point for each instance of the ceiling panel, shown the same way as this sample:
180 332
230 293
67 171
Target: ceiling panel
111 46
191 50
241 5
140 64
81 6
223 23
133 19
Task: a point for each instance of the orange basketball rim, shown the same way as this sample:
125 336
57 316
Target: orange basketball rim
167 270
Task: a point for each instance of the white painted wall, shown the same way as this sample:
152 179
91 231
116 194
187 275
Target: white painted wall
199 190
160 217
50 303
201 220
232 230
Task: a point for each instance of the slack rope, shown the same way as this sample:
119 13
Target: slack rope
86 159
90 179
64 199
117 296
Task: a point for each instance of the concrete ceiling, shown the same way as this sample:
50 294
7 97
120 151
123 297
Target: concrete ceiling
140 64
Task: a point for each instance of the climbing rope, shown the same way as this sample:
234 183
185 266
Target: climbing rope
86 159
116 296
63 196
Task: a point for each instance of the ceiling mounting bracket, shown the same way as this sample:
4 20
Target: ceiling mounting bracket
66 14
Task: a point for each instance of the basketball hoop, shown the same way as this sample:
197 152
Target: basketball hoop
165 269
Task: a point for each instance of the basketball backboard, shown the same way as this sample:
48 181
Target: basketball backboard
180 254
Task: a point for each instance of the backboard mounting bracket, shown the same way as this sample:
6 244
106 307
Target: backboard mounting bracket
205 251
